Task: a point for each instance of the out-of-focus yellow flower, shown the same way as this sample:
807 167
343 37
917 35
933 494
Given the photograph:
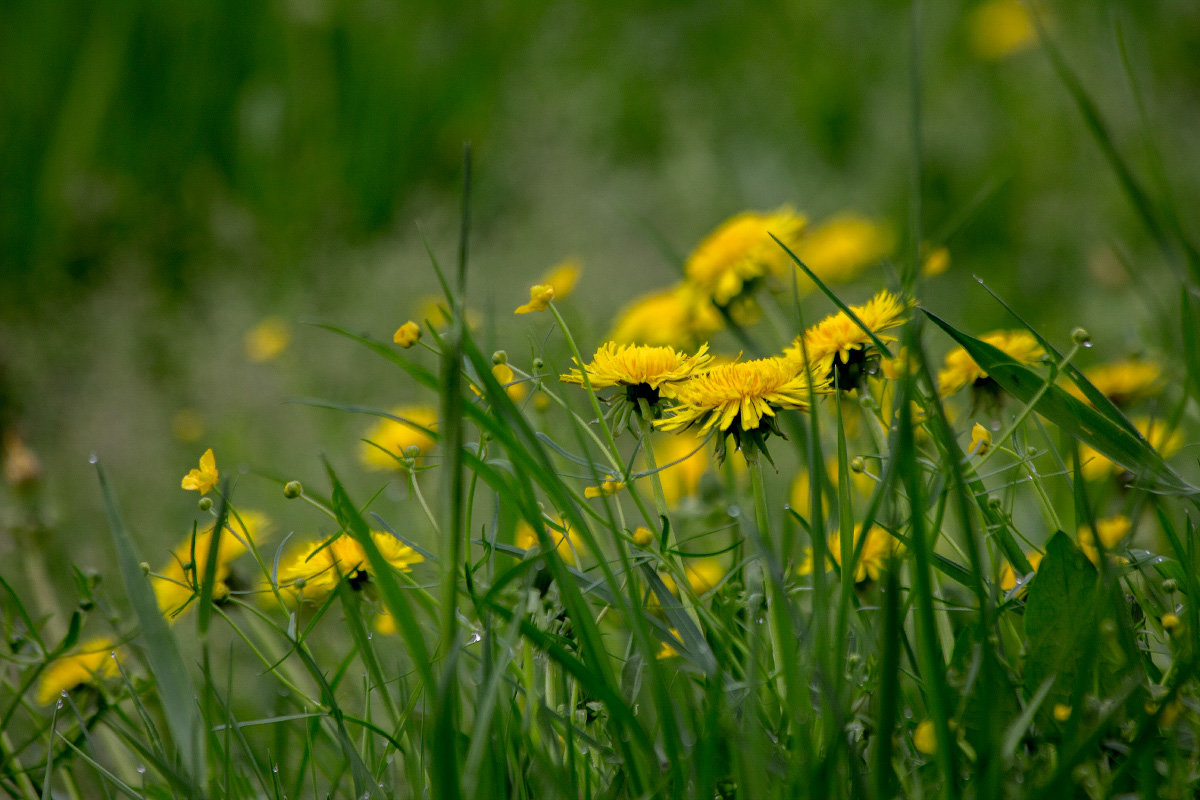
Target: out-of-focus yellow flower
539 298
704 574
21 465
179 579
935 262
395 437
667 650
607 488
202 480
314 571
91 662
1008 576
1096 467
680 317
407 334
1124 381
740 252
562 277
1169 621
1062 712
645 372
682 461
187 425
1111 531
266 340
505 376
838 345
877 551
981 440
924 738
961 370
384 623
838 250
526 539
433 308
800 497
999 28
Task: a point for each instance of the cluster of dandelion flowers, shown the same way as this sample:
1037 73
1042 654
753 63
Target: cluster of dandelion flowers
739 400
389 439
740 252
960 370
646 373
315 571
838 348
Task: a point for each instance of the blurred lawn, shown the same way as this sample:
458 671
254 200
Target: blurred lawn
173 173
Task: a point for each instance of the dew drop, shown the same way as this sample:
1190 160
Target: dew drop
141 769
370 636
93 459
473 638
59 704
275 769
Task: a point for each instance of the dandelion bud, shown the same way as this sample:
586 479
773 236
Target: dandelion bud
412 451
858 464
205 503
1081 337
145 568
1170 585
538 365
299 583
499 357
292 490
407 334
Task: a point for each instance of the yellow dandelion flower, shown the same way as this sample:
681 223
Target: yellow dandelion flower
526 539
562 277
395 437
1008 576
1096 467
924 738
981 440
314 571
267 340
740 252
999 28
878 549
705 574
539 298
680 317
838 345
91 662
682 462
738 399
838 250
607 488
178 581
407 334
961 370
645 372
202 480
1125 381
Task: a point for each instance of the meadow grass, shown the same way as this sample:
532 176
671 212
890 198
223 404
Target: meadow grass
864 572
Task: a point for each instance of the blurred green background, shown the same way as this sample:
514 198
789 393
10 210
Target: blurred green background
174 173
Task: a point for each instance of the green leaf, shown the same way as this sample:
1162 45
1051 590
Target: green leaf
162 651
1060 611
1075 417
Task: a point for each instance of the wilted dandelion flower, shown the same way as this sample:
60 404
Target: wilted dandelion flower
1096 467
316 570
539 299
202 480
838 250
837 347
680 317
1008 576
644 372
395 437
266 340
961 370
91 662
739 400
740 253
179 580
1125 381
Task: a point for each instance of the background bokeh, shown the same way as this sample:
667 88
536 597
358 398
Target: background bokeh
175 173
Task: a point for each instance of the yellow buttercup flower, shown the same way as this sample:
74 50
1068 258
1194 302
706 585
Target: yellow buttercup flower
838 250
526 539
961 370
314 572
999 28
178 581
681 317
837 345
1167 442
740 252
645 372
562 277
266 340
539 298
1125 381
877 551
91 662
407 334
981 440
607 488
396 437
1008 576
202 480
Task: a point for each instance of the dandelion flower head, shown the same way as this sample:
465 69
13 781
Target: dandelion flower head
741 251
1124 381
526 538
91 662
837 344
1096 467
316 569
960 369
267 340
644 371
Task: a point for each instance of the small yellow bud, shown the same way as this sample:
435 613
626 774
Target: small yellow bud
407 334
293 489
981 440
1062 712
